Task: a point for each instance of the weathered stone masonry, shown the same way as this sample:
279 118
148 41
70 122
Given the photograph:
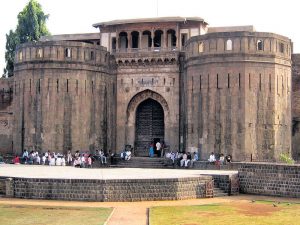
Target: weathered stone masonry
64 97
226 90
109 190
270 179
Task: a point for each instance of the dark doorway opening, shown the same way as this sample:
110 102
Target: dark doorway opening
149 126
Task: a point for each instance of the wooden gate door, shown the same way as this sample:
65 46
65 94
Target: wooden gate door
149 125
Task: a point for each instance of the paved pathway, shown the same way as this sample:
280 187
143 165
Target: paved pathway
69 172
135 213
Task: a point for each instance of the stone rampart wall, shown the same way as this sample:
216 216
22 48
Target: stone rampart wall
6 115
110 190
270 179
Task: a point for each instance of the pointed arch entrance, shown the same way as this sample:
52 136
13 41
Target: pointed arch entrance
147 119
149 125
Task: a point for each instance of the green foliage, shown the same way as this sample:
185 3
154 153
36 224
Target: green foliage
31 26
11 43
285 157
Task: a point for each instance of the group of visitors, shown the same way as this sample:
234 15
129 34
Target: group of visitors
222 160
82 160
186 159
126 154
182 159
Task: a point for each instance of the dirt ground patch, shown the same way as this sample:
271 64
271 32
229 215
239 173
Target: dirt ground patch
254 209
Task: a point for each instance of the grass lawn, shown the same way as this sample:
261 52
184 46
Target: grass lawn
243 213
41 215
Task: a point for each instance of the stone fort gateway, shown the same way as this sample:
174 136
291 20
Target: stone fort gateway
229 90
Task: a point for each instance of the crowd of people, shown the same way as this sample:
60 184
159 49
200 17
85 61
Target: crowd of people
221 160
187 159
79 159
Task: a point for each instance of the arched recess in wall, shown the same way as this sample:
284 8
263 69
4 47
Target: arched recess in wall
132 107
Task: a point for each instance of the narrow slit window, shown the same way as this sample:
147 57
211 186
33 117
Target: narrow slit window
67 85
270 83
207 81
260 81
249 81
239 80
57 85
217 81
76 87
228 80
200 82
20 56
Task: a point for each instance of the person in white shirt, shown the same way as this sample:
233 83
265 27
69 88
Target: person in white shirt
58 161
102 157
158 147
52 161
63 161
184 159
212 158
128 155
38 159
44 159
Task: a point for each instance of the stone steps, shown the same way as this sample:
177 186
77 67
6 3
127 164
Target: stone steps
218 192
140 162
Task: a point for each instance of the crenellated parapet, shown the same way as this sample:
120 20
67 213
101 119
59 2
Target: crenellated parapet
249 45
62 54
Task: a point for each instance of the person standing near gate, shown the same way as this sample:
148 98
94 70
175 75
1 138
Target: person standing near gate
158 148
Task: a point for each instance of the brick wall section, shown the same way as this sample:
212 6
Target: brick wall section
270 179
114 190
2 186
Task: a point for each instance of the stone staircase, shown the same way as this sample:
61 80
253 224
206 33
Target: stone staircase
140 162
218 192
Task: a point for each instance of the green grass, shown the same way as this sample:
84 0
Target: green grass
41 215
256 213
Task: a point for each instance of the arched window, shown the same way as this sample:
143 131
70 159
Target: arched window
229 45
200 47
135 39
260 45
158 38
123 40
171 39
68 53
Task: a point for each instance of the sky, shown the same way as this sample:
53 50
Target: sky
71 16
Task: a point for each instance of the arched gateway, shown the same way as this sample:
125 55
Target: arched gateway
149 125
147 116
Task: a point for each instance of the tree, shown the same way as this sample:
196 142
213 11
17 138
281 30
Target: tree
31 26
11 43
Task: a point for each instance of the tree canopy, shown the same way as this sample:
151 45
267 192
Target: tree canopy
31 26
